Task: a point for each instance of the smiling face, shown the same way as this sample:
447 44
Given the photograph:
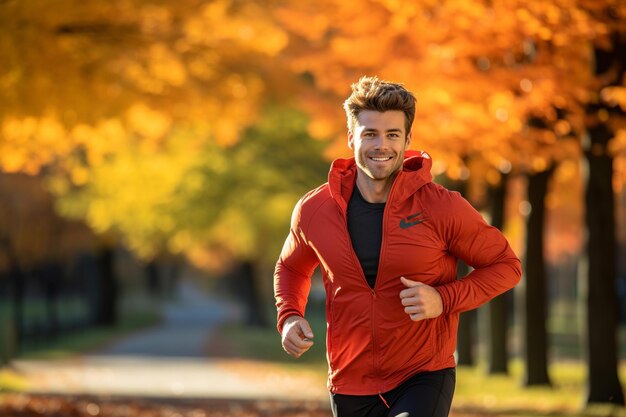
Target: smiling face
378 140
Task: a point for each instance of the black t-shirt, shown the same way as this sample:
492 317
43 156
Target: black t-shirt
365 225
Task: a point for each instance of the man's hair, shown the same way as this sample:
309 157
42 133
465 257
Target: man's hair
370 93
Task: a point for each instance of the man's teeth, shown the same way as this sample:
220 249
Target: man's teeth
381 159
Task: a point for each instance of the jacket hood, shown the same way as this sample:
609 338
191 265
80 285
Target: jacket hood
415 173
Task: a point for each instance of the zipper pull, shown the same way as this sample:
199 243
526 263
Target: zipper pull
383 398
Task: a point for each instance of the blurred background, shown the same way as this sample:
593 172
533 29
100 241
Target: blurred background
151 153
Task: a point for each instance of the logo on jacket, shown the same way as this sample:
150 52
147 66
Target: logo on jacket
412 220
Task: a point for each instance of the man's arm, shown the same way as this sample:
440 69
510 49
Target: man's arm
292 283
483 247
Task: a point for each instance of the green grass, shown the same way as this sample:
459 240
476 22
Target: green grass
136 311
505 394
11 381
265 344
66 307
89 339
476 390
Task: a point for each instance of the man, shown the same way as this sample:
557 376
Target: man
387 240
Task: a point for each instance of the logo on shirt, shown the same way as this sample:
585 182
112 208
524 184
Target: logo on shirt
412 220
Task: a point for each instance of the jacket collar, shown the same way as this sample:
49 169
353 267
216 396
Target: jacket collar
414 174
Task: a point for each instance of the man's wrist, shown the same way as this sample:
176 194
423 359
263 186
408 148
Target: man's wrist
287 320
291 318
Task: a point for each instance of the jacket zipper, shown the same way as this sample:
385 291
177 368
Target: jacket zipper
375 353
357 264
355 259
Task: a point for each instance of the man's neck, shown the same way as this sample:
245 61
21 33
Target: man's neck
374 191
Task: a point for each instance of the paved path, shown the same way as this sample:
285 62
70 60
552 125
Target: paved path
170 361
188 324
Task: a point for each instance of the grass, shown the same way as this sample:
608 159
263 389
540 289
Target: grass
265 344
89 339
477 390
11 381
135 312
505 394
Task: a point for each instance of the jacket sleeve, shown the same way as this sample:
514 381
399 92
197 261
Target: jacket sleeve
292 275
481 246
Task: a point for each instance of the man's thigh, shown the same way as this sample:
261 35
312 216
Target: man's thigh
357 406
428 394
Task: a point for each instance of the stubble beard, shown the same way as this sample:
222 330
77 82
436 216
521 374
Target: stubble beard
376 175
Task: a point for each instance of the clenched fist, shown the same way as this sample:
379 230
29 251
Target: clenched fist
296 336
420 301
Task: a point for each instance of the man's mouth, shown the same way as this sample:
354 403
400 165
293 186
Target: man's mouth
380 158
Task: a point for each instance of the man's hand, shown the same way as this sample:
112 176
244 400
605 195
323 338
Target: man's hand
420 301
297 335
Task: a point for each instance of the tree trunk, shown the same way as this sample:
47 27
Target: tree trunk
535 300
15 333
51 277
498 307
17 324
251 295
467 329
153 281
468 320
106 306
602 305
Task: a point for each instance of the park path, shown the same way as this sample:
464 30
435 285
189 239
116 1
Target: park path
170 361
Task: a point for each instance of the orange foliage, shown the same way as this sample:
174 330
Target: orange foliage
143 66
501 86
481 70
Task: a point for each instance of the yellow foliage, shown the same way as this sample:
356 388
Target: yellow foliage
79 175
98 100
216 24
148 123
165 65
26 144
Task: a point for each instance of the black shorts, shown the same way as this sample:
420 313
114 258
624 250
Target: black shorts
427 394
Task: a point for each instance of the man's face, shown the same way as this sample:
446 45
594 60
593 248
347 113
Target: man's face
379 140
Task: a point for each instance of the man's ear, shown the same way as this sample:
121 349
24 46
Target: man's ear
408 140
350 139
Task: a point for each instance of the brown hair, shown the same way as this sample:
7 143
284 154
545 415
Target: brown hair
370 93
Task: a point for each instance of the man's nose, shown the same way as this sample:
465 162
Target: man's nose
380 142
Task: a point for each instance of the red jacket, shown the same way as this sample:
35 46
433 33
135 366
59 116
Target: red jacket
372 344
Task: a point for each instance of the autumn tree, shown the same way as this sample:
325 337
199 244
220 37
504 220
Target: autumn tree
35 244
88 86
606 112
438 49
506 81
